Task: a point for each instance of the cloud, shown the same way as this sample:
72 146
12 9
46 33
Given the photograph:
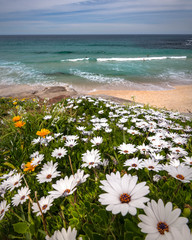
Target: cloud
86 12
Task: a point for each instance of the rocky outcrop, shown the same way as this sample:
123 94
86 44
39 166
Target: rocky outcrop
54 93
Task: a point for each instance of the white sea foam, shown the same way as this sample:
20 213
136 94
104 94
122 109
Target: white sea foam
140 58
18 73
75 60
124 59
96 77
188 42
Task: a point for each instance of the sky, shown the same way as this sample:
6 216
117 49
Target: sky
95 17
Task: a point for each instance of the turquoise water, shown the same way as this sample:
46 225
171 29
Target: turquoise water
88 62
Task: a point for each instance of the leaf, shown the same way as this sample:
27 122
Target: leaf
10 236
131 226
88 231
20 227
97 236
9 165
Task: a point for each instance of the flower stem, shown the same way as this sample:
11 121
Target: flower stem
43 219
71 164
175 193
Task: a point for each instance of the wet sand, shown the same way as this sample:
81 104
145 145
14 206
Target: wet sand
177 99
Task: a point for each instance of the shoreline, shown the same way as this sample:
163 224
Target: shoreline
179 98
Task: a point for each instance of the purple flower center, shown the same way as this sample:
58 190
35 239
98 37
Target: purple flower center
49 176
162 227
150 167
66 191
44 206
125 198
179 176
23 197
134 165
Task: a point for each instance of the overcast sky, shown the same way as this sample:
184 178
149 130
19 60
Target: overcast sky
95 16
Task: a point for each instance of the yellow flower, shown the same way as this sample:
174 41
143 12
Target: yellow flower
16 118
29 167
19 124
15 103
43 132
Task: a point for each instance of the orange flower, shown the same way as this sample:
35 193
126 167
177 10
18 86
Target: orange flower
19 124
43 132
29 167
16 118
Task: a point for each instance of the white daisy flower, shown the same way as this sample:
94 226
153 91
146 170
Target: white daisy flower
179 151
108 130
48 172
91 159
134 163
152 165
81 128
64 187
157 177
96 141
188 161
7 175
14 182
133 132
37 160
4 207
71 143
186 233
80 177
2 191
160 222
59 152
127 148
36 141
123 195
45 204
35 154
21 196
71 137
157 157
175 163
47 117
180 140
182 173
144 148
64 235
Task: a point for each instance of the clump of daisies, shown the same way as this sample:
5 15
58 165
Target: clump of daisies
83 167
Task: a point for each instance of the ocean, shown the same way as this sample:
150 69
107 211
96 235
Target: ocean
90 62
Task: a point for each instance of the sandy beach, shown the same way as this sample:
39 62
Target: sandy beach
177 99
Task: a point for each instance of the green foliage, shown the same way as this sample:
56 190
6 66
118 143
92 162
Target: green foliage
82 210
